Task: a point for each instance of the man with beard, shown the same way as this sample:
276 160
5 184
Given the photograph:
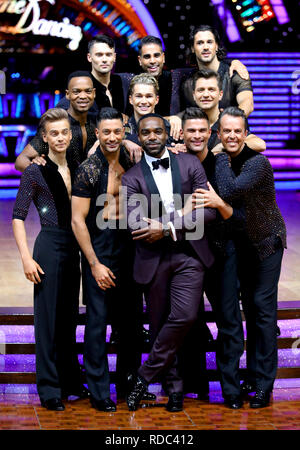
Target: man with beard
168 265
205 44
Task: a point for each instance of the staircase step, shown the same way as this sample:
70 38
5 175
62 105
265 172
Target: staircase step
30 378
29 348
24 315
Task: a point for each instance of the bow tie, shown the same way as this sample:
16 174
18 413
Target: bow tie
161 162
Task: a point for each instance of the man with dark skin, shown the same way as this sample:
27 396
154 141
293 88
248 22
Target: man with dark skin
81 94
167 264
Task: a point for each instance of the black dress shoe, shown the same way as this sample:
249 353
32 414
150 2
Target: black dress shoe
53 404
233 401
261 399
246 388
175 403
149 396
106 405
121 392
135 396
81 392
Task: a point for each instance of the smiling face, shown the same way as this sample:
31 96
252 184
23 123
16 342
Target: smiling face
232 134
81 94
153 136
102 58
205 47
143 99
110 133
152 59
58 135
196 133
207 93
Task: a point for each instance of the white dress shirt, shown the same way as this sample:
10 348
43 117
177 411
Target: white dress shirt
164 183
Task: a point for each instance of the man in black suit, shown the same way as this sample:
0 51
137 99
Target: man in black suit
170 261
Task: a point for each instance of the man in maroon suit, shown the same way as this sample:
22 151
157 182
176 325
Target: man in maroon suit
172 252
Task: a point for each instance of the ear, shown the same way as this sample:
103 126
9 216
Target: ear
157 99
130 99
139 60
221 95
67 94
89 57
44 136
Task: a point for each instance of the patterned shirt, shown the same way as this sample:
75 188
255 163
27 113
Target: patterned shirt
91 180
250 176
45 187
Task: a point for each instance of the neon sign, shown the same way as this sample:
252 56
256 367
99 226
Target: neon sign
75 18
31 21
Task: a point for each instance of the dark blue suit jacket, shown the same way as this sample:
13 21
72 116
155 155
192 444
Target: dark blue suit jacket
187 175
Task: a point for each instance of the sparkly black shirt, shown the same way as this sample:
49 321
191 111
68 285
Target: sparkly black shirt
91 180
45 187
220 231
249 177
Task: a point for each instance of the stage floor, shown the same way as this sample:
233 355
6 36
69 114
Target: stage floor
23 412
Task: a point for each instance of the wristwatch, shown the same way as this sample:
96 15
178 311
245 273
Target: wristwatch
166 231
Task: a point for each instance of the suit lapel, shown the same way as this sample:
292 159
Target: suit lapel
151 185
176 178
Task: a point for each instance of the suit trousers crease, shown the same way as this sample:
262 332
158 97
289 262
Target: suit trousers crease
56 301
173 298
114 249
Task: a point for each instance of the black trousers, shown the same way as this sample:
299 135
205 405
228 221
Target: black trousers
222 289
56 301
114 248
259 289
